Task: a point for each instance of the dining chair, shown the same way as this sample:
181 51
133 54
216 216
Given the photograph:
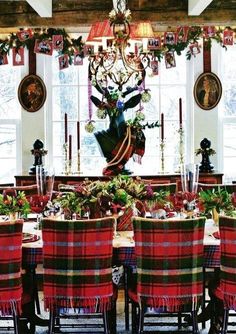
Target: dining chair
77 262
10 269
230 188
227 226
169 278
28 190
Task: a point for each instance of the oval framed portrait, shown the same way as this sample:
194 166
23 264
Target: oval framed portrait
207 90
32 93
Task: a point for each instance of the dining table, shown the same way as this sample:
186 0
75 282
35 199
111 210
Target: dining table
123 246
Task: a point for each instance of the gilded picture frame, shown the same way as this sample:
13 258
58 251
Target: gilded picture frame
207 90
32 93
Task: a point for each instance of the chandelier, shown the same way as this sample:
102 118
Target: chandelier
120 48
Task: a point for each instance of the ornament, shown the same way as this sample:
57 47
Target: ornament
89 127
146 96
120 105
101 113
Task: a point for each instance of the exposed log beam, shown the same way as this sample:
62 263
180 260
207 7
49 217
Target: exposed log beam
42 7
74 18
196 7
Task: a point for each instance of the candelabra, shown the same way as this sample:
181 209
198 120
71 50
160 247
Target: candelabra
162 146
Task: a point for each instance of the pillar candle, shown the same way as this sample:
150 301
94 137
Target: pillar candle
70 146
78 137
162 126
66 129
180 113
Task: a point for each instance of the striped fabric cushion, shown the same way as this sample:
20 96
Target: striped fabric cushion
169 261
77 260
228 260
10 266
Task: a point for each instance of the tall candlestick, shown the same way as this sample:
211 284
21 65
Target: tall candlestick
180 113
78 137
162 126
66 128
70 147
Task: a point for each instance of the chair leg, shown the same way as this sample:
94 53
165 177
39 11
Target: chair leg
134 317
112 319
15 321
195 323
105 322
52 322
225 321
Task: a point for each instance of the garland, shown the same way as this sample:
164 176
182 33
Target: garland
70 45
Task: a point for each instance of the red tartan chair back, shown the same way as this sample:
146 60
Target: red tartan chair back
169 262
228 260
10 266
77 260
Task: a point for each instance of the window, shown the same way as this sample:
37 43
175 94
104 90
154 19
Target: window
70 95
9 127
228 113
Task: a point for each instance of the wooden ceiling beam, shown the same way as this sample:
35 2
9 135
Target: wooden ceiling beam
196 7
42 7
79 15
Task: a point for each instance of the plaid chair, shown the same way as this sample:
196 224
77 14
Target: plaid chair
10 269
169 268
228 266
77 261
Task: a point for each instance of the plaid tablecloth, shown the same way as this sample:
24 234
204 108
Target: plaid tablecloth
122 256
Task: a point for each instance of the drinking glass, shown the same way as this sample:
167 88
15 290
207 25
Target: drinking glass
189 177
45 181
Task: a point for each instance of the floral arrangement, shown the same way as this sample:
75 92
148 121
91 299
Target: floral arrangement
12 201
219 200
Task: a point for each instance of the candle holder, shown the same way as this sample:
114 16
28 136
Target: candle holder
78 171
66 161
181 147
162 146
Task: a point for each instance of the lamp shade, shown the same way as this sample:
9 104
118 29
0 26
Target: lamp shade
92 33
103 30
144 30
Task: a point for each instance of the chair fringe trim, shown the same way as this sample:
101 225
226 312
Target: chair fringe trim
10 307
230 301
100 304
172 304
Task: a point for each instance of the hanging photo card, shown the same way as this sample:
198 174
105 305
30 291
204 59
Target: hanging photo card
63 61
209 31
194 49
45 47
25 34
3 59
57 41
154 43
170 38
154 66
182 34
78 60
228 37
18 56
170 59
